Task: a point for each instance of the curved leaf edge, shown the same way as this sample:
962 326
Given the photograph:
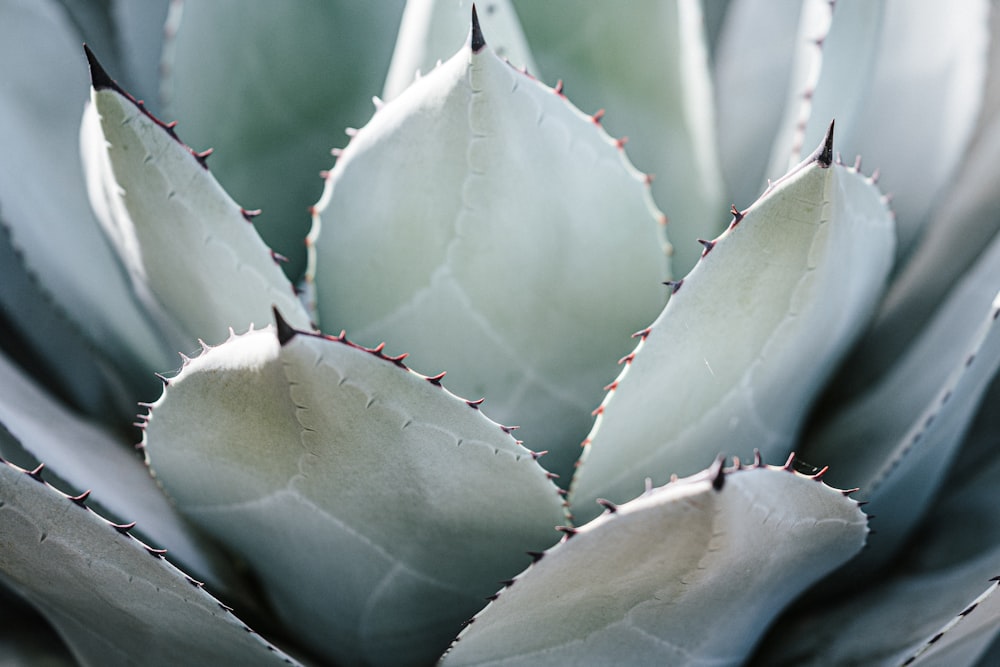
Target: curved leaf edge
716 474
124 531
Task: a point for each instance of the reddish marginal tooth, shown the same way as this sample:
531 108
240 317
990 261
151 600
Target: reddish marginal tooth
642 334
608 505
569 531
789 462
708 245
336 152
475 404
649 178
818 475
612 386
278 258
36 474
156 553
551 475
436 379
509 429
378 349
81 499
627 359
674 285
538 455
559 88
620 143
598 411
123 528
585 443
598 116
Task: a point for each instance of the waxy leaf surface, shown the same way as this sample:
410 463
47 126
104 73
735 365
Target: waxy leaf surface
189 248
112 599
377 508
496 232
748 337
689 573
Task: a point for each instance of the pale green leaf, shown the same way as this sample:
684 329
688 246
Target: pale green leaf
737 356
936 602
920 98
43 197
273 88
112 599
751 92
646 64
965 218
432 30
189 248
896 440
376 508
90 458
490 228
689 573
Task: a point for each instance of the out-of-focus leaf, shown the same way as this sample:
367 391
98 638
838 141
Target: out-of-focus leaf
751 92
26 638
838 43
377 508
113 599
43 199
90 458
925 98
966 217
896 439
62 358
290 81
432 30
690 573
497 232
646 63
945 569
189 248
749 336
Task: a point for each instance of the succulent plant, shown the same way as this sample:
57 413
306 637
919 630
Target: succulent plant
793 461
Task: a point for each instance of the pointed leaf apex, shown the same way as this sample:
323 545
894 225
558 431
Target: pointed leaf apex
285 330
824 153
717 473
478 41
99 77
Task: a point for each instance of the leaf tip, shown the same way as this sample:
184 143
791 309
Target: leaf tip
823 155
99 77
478 41
285 331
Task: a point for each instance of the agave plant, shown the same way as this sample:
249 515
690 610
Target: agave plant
304 496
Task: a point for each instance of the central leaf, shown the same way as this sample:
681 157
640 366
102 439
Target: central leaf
494 230
377 508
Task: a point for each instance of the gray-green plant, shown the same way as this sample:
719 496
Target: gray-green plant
793 462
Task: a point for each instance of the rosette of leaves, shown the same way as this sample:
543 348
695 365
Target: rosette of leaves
321 498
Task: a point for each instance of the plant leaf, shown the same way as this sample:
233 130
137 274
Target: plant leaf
302 74
60 243
187 245
751 93
750 335
965 218
377 509
433 30
648 67
480 219
114 600
89 458
922 606
896 440
688 573
896 107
